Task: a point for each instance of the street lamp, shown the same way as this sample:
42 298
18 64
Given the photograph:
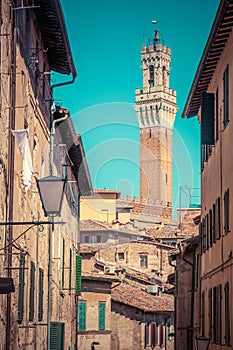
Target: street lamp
202 343
51 190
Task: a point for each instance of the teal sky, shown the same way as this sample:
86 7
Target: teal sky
106 38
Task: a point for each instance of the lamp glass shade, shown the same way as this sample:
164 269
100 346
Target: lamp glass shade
202 343
51 190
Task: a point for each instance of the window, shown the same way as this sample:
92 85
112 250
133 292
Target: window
40 295
102 315
143 259
57 330
121 256
226 97
32 290
216 116
82 315
226 211
227 315
217 309
151 334
21 287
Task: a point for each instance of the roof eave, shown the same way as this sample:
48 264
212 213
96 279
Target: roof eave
188 112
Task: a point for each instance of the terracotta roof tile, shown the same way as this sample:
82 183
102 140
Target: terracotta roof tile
129 295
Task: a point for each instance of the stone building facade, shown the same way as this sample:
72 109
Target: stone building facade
185 260
210 99
39 313
134 318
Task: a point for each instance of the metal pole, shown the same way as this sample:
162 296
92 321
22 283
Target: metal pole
51 232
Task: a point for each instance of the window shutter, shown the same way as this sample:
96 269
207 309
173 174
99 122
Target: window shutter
168 330
102 315
57 330
176 283
210 312
161 334
207 119
218 219
147 337
82 315
21 287
226 96
70 271
32 291
204 234
201 238
203 313
78 284
211 227
227 315
216 116
152 333
195 271
40 295
207 232
214 223
217 314
63 264
226 211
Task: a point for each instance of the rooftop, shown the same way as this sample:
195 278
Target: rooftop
51 23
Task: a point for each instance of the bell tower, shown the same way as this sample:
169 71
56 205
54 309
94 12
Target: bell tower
156 110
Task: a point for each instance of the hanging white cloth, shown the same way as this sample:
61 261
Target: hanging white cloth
22 137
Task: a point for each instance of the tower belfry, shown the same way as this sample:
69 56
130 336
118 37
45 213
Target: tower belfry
156 110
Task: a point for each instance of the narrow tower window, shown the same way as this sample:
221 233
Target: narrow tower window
151 73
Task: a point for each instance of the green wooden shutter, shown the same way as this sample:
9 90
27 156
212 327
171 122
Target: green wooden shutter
40 295
70 271
57 330
21 287
78 284
102 306
207 119
63 264
82 315
32 292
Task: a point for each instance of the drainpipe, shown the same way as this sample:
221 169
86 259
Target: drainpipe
11 152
